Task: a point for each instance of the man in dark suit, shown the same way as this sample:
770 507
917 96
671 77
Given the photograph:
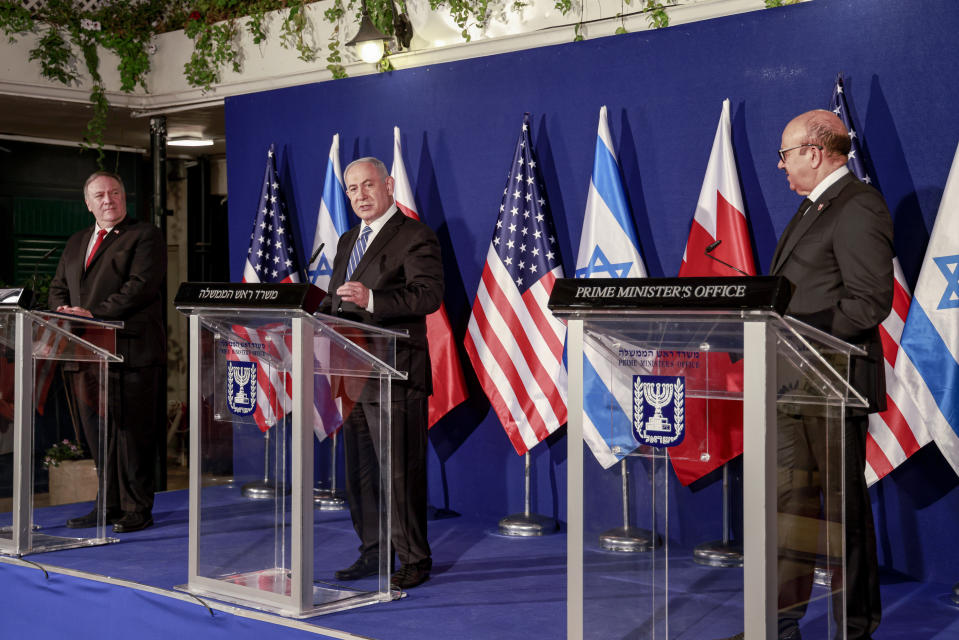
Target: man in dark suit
388 272
114 270
837 252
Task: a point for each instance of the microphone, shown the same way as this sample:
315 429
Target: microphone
709 254
315 253
312 258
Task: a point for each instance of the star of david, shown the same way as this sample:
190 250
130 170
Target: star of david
599 264
323 268
949 265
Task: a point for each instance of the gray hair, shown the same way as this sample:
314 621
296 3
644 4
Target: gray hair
103 174
376 162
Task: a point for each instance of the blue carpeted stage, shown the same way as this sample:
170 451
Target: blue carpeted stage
484 585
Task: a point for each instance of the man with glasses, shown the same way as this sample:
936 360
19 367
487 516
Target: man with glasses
837 251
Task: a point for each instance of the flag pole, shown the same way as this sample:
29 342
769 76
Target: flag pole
330 499
527 524
628 539
721 553
262 489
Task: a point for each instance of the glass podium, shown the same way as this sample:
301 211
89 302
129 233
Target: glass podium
266 373
651 372
46 354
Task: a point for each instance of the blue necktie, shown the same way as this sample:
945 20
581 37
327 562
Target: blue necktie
358 250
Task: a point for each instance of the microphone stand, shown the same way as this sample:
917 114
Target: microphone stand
721 553
709 254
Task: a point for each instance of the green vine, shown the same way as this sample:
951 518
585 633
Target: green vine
128 28
15 20
125 29
214 45
656 15
56 59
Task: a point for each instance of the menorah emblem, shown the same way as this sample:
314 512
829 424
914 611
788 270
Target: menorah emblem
241 387
666 397
658 395
241 376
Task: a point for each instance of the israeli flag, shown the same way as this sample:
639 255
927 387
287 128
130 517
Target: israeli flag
607 249
331 223
331 220
930 338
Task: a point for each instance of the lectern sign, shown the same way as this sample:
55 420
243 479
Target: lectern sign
659 410
241 387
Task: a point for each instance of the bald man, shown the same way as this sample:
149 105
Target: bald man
837 252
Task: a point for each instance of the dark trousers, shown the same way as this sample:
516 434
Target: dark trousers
361 443
131 433
810 513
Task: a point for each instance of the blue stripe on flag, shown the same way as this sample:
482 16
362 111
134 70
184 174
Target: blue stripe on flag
334 196
612 423
610 189
934 362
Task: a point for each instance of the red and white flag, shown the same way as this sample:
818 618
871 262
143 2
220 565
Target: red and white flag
449 386
720 214
514 342
720 217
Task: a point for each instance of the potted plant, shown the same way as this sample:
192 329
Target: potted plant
72 478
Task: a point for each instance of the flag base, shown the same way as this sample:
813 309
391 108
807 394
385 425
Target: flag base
527 525
326 500
629 540
260 490
821 577
718 553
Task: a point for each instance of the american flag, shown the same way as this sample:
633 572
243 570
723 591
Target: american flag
271 258
898 432
449 386
513 340
48 347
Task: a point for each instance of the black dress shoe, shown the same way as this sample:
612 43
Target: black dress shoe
368 565
411 575
90 519
132 521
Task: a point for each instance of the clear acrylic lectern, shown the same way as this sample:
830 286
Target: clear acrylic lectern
265 375
666 360
41 351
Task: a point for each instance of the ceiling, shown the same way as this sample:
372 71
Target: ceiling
65 122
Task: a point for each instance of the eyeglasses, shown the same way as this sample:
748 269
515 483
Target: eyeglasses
783 152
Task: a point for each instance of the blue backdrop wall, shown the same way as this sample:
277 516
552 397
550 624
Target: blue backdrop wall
664 90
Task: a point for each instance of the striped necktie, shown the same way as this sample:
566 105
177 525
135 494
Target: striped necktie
358 250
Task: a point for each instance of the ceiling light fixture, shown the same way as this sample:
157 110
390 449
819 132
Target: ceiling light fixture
189 142
369 42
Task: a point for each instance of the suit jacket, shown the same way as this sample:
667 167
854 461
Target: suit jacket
124 282
838 256
403 269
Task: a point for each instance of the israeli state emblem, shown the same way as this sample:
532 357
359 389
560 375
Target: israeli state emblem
241 387
659 410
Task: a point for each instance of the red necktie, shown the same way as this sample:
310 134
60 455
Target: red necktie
96 245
